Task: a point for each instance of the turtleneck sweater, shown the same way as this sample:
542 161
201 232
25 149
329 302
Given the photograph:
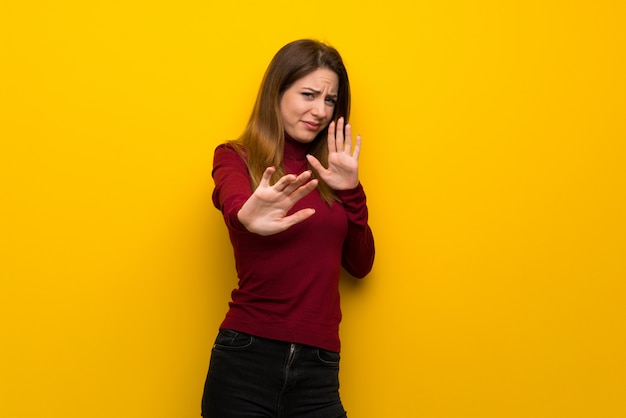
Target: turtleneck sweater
288 282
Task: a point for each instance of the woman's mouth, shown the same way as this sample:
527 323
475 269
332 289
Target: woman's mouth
313 126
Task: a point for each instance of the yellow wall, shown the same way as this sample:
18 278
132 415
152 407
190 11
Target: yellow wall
493 157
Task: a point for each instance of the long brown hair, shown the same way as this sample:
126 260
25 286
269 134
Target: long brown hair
262 143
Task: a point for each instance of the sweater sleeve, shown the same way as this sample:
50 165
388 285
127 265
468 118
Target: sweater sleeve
232 184
358 248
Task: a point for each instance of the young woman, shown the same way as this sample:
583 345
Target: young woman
296 214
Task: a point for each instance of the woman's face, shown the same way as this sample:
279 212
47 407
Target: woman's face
307 106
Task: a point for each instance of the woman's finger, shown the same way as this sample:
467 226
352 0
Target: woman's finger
348 140
357 147
303 191
332 147
267 175
339 135
297 182
315 163
284 182
299 216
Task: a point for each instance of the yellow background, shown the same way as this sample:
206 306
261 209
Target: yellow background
493 157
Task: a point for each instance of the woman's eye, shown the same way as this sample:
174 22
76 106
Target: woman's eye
307 94
331 101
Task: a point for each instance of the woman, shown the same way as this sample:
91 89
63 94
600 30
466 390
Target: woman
296 213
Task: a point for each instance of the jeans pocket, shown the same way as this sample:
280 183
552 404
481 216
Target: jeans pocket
227 339
327 358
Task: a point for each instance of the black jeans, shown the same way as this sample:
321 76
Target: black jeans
256 377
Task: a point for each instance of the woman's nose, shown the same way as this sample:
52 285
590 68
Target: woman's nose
319 109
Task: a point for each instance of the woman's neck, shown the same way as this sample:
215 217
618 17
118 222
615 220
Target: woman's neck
295 150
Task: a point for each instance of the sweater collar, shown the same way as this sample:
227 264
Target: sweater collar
295 150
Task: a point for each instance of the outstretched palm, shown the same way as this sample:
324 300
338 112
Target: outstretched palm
343 159
265 212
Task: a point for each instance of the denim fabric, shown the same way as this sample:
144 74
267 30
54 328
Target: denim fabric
256 377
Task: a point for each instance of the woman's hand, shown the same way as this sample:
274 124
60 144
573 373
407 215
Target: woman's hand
265 212
343 166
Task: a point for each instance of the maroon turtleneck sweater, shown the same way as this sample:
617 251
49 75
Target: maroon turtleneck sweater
288 282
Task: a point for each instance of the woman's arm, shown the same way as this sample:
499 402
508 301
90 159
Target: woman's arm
358 248
232 184
342 176
263 211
